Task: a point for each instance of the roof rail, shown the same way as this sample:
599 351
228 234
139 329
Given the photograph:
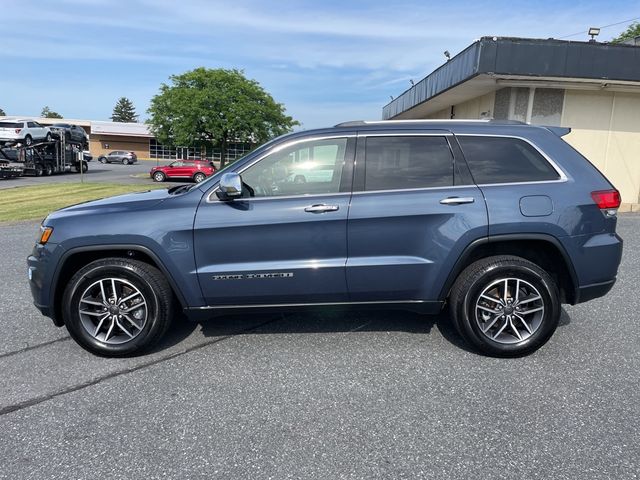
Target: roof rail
360 123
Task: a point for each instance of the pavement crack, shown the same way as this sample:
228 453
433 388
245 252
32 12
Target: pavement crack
74 388
32 347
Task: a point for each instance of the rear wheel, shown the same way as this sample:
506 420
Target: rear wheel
48 169
505 306
116 307
159 177
38 170
198 177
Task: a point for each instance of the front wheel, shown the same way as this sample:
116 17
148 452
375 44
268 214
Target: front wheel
158 177
505 306
102 160
125 161
116 307
48 137
28 140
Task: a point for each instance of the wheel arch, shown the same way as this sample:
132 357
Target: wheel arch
544 250
76 258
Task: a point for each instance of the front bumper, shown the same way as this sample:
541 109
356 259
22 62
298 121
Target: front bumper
40 270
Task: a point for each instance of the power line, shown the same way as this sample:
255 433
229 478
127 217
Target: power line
604 26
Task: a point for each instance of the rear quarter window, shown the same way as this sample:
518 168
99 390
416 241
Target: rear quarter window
505 160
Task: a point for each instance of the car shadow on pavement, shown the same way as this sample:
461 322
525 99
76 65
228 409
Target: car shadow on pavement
331 321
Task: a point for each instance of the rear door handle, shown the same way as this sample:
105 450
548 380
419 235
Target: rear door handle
321 208
457 200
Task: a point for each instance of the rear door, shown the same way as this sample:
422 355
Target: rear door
414 209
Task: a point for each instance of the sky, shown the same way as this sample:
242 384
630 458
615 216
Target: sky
326 61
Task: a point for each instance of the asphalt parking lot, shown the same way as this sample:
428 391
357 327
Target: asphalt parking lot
107 173
324 395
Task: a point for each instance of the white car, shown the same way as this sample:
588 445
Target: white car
23 131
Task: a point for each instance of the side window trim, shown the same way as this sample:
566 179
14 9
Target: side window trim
345 181
562 176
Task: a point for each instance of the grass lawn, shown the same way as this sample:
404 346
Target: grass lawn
36 202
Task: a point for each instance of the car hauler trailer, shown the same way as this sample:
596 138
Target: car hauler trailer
46 158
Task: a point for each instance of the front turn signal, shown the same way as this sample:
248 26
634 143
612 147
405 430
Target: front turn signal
45 234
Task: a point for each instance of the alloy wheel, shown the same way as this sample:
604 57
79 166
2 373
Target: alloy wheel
113 310
509 310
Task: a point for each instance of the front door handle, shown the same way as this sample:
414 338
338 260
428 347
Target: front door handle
456 200
321 208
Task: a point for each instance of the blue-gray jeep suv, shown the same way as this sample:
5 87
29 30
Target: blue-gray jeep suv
501 221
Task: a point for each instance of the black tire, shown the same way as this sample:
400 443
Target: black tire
48 137
102 160
153 288
125 161
28 140
48 170
468 309
38 170
159 177
199 177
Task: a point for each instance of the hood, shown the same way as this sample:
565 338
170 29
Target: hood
128 202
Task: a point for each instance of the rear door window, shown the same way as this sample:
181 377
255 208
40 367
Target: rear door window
405 162
495 160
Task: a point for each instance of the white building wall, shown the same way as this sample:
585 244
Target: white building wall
605 128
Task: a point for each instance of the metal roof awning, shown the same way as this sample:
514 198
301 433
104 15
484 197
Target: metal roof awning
495 62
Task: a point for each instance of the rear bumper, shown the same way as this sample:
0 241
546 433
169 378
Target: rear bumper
596 290
596 259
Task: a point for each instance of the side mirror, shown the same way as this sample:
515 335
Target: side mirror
230 186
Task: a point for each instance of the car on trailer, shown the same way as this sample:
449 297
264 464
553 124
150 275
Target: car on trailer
20 130
72 133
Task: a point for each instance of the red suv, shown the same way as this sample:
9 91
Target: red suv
197 170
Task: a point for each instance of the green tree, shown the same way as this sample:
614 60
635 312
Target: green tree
213 107
2 114
124 111
632 32
48 113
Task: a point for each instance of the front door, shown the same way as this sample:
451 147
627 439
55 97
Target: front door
285 241
414 209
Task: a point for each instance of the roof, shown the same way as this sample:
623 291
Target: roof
494 58
118 128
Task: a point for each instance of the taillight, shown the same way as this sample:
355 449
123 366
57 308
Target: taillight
607 200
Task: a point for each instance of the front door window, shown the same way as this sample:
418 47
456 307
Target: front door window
308 168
